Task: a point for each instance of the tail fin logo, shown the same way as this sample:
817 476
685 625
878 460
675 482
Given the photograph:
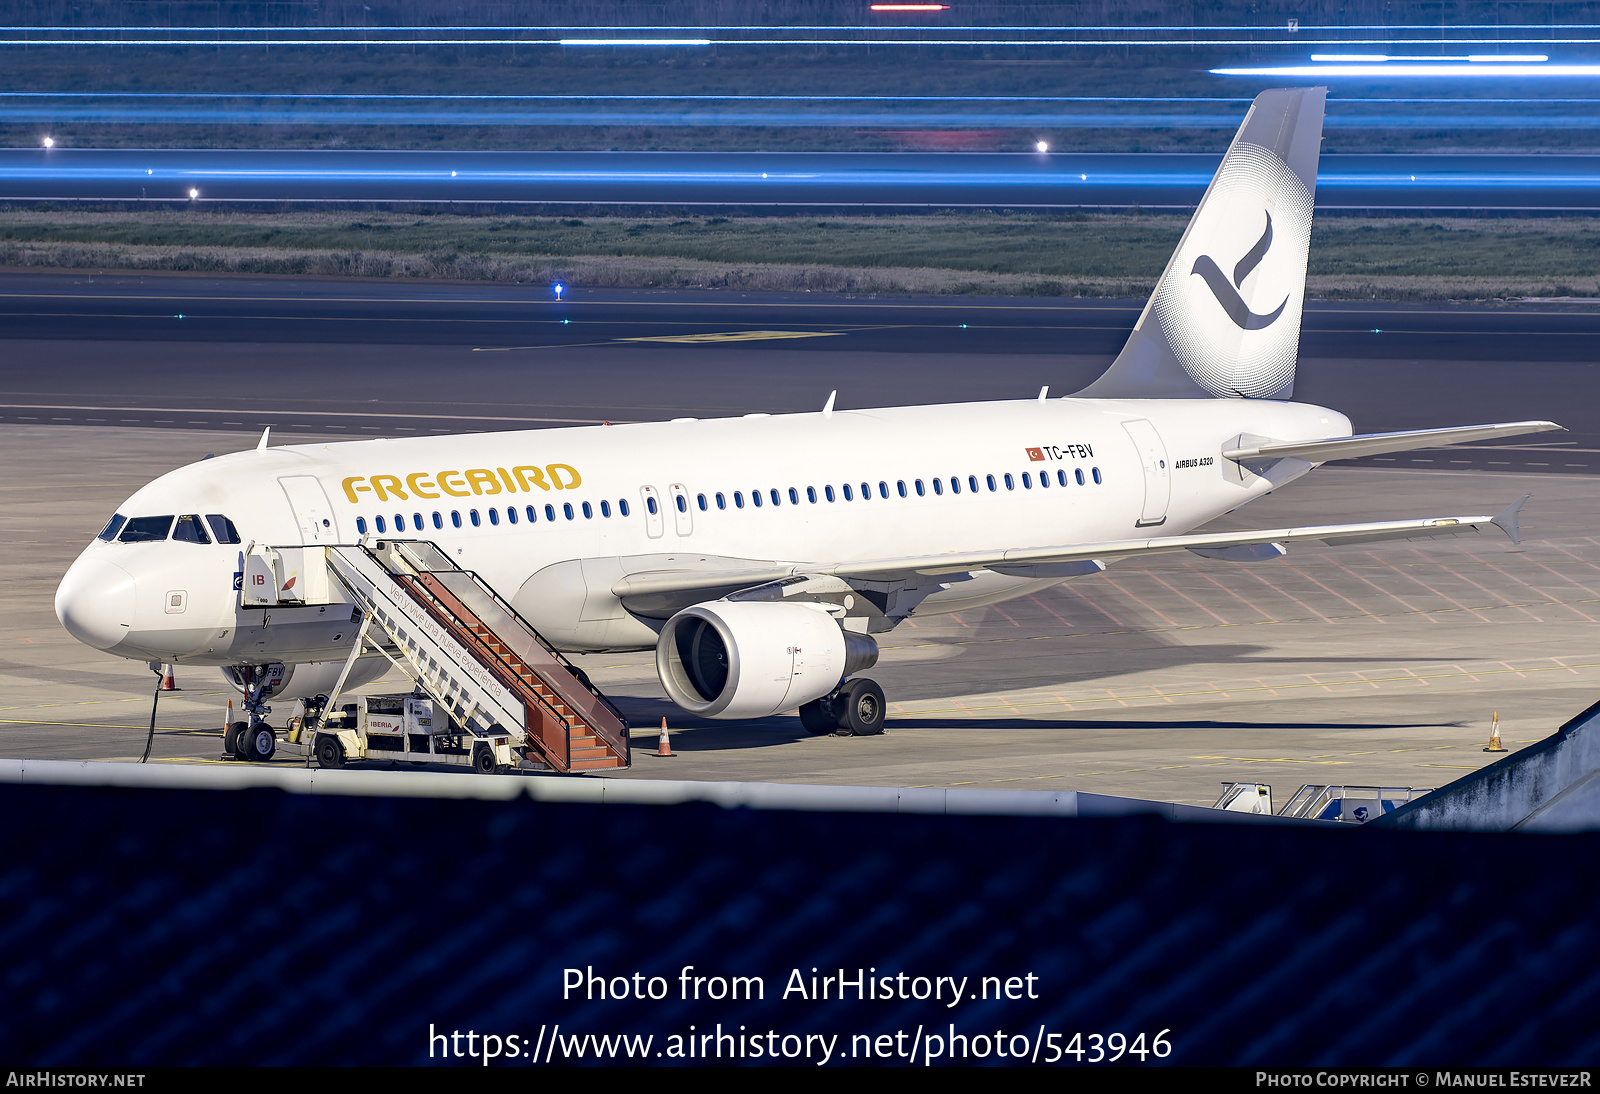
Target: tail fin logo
1227 293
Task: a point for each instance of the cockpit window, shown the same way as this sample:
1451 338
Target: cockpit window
190 530
113 526
222 529
146 529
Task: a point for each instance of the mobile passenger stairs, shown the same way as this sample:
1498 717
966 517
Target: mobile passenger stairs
497 691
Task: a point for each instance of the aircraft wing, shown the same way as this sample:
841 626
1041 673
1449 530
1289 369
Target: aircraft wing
1039 561
1070 559
1370 444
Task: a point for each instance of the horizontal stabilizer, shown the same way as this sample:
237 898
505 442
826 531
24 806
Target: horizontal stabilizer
1371 444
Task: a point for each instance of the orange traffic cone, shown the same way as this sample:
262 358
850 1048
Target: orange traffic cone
663 743
168 681
1494 735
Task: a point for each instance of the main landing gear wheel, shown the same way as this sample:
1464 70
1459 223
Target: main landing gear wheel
818 717
860 708
257 743
330 751
230 738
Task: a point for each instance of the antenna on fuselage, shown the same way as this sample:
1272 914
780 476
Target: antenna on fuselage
265 433
1043 392
827 408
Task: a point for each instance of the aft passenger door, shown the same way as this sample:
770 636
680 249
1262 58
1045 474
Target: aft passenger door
1157 475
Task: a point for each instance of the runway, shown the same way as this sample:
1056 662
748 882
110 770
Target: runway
353 358
778 181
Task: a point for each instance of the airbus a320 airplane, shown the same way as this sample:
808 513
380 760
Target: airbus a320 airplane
758 556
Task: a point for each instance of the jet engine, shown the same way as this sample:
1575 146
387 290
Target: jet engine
726 659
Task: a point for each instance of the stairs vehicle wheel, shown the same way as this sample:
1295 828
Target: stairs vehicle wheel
861 708
483 760
818 717
330 752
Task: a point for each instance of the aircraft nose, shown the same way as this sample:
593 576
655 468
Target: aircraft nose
95 602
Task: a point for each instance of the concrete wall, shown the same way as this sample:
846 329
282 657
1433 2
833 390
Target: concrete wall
601 791
1499 797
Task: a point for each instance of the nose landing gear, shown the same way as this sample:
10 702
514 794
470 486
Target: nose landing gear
855 708
254 741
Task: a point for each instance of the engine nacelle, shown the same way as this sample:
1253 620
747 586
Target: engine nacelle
314 677
725 659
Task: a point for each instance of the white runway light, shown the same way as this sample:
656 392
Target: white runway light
49 142
193 193
1042 146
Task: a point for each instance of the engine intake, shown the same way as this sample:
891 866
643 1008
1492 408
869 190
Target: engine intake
726 659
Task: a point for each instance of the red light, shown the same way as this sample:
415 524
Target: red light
910 7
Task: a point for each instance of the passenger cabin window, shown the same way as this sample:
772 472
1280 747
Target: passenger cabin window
361 525
113 526
146 529
190 529
222 529
533 515
381 526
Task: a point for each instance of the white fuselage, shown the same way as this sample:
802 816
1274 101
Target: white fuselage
592 491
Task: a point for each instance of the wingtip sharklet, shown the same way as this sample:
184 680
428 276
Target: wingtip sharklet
1507 519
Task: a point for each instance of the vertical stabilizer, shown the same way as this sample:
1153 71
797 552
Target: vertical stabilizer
1224 321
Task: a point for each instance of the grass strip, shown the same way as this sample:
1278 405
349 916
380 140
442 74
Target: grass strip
1016 255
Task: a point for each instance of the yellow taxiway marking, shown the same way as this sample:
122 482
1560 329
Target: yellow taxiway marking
734 336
